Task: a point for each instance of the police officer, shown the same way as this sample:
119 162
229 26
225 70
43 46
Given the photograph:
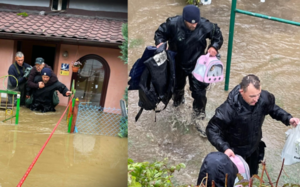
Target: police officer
187 36
17 69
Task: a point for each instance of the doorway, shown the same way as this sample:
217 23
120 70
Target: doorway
46 52
91 80
34 49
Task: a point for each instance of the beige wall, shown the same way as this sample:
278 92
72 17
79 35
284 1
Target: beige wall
6 59
118 71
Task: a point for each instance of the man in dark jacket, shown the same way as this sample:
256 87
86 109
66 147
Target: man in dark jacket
17 69
36 70
43 98
187 36
236 126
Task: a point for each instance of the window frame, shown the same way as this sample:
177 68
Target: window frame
106 75
60 2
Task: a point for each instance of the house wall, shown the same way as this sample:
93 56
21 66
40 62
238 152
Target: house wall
40 3
6 54
118 71
100 5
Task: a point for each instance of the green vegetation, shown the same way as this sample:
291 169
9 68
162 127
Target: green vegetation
24 14
124 120
124 50
123 127
193 2
125 96
124 46
154 174
160 173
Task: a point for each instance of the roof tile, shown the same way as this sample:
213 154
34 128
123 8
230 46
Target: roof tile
94 29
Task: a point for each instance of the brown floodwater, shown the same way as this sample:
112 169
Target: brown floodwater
68 159
266 48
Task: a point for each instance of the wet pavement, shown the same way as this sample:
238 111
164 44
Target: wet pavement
68 159
266 48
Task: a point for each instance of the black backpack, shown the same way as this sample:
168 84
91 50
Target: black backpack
157 81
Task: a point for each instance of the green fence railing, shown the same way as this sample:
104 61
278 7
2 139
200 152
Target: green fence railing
9 106
231 33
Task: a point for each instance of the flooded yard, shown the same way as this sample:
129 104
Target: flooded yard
68 159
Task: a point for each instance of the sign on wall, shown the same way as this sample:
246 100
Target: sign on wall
64 69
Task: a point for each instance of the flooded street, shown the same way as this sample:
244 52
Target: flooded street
269 49
68 159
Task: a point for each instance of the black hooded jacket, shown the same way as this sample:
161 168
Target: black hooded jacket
189 45
235 126
217 165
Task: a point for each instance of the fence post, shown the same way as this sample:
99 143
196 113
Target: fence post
18 109
75 111
71 117
15 140
230 43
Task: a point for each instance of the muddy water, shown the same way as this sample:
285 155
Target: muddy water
265 48
68 159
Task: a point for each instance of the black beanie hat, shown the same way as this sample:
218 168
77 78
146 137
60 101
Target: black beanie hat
46 71
191 14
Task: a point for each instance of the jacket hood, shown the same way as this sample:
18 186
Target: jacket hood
217 165
232 98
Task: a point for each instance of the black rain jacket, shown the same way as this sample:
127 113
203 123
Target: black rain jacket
235 127
217 165
43 98
189 45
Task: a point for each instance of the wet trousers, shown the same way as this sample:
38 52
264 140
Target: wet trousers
198 90
253 161
255 158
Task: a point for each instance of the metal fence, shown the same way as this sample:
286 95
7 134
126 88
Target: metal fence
9 106
98 120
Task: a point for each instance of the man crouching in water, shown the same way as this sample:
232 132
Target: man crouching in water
43 98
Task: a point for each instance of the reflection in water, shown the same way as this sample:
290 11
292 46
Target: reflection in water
68 159
265 48
84 143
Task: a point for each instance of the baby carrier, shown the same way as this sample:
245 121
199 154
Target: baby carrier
208 69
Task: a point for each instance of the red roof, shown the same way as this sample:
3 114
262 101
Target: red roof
86 28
